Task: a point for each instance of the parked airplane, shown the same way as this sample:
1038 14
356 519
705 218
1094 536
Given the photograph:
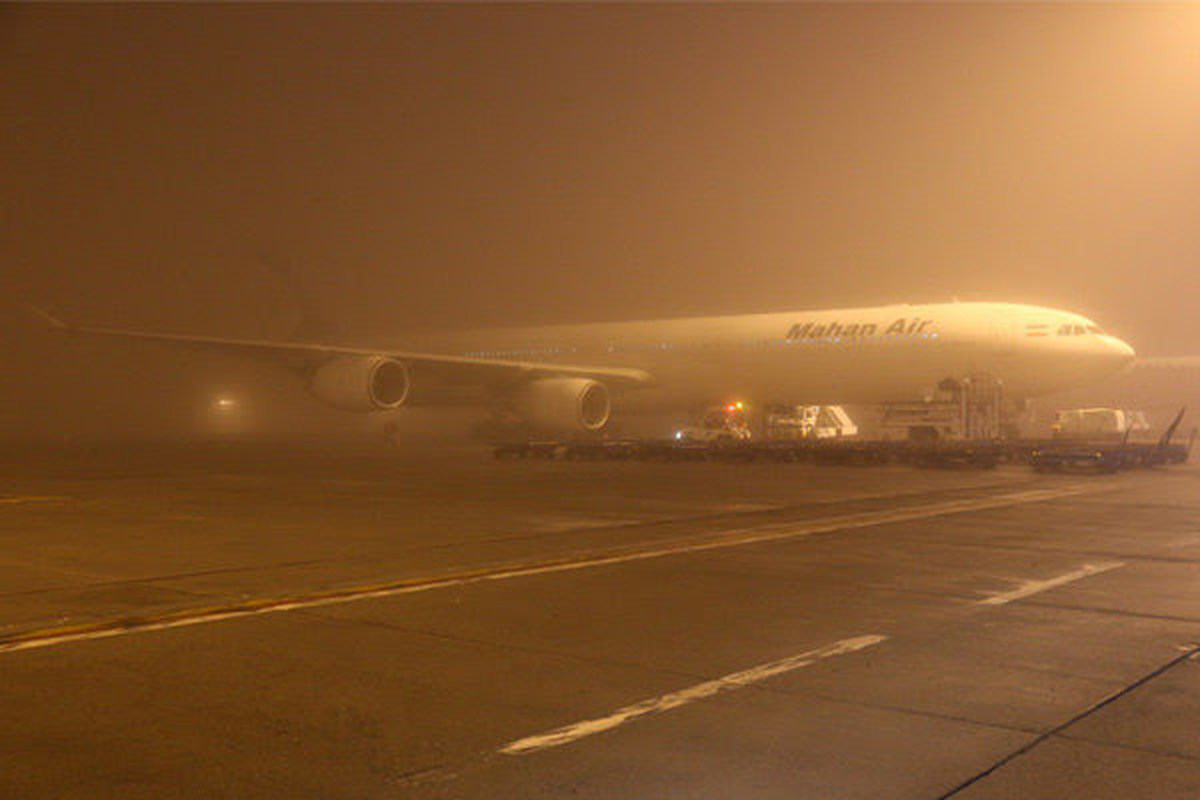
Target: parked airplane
568 377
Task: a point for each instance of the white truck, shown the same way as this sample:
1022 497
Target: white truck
1084 423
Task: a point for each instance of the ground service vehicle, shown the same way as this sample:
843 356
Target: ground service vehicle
1077 423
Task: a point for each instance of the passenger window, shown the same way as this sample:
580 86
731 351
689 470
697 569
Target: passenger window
1079 330
1065 330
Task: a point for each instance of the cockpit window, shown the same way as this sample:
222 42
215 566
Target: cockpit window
1070 329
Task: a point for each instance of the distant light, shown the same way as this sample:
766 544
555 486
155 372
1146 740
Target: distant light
225 403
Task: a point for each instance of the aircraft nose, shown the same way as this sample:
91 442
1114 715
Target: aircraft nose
1118 350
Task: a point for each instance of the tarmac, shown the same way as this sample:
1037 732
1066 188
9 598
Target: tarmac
266 621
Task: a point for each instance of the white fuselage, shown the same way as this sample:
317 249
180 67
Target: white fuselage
857 355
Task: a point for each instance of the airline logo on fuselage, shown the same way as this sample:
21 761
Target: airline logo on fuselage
901 327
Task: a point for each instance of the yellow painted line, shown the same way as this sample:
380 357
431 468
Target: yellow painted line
47 637
31 498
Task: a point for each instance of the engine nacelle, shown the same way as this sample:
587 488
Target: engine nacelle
361 383
563 404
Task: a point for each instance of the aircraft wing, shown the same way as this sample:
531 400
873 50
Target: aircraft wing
461 368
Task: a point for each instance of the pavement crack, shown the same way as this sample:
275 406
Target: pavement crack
1074 551
509 646
1130 747
1082 715
1114 612
112 581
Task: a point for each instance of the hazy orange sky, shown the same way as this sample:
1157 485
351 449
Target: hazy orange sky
436 166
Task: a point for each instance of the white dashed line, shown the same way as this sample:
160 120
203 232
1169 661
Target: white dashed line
666 702
1028 588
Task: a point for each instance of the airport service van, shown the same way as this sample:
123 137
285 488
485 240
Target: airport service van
1078 423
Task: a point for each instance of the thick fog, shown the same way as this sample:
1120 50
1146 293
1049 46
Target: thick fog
216 169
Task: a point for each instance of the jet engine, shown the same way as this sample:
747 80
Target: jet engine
361 383
563 404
